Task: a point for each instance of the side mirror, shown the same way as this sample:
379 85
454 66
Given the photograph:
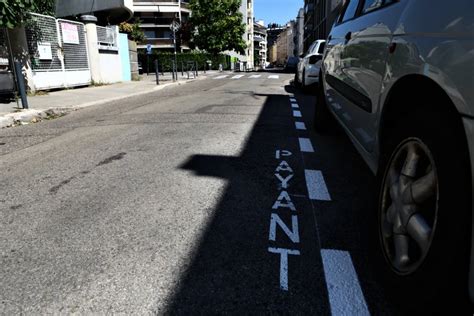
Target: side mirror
314 59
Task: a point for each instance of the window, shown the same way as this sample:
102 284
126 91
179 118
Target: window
321 48
370 5
350 10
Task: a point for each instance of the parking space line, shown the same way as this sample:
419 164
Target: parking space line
345 293
255 76
292 99
294 106
237 76
305 145
317 189
221 77
300 126
273 77
296 113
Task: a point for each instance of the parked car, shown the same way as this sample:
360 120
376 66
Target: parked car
310 64
398 76
291 64
7 81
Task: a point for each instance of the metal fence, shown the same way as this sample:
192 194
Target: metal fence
107 37
74 49
43 43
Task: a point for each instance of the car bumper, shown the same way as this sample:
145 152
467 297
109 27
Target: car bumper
469 128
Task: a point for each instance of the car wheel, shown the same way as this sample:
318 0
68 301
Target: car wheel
323 121
423 216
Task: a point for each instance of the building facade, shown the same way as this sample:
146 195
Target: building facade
299 37
319 18
246 60
260 45
156 17
286 43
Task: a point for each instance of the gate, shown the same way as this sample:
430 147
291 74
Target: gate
58 51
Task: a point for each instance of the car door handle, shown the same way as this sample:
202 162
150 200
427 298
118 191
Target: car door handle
348 36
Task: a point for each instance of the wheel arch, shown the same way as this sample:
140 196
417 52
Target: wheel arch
429 98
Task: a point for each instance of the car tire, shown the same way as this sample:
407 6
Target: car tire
324 121
434 272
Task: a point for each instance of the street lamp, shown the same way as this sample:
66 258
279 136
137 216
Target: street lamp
175 26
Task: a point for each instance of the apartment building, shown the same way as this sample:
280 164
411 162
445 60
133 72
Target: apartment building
260 44
246 60
156 18
299 37
286 43
319 18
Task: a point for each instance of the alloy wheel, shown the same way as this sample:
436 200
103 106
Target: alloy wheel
408 210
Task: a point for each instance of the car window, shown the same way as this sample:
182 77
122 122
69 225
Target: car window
370 5
321 48
350 10
310 49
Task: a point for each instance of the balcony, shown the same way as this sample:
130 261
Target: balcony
158 43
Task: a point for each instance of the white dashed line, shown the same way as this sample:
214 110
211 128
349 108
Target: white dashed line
255 76
317 189
300 126
345 294
296 113
305 145
292 99
221 77
273 77
294 105
237 77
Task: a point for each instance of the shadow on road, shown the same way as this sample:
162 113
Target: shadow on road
232 270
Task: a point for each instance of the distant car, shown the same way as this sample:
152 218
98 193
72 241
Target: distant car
310 64
397 75
140 68
7 81
291 64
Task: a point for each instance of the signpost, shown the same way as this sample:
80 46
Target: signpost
175 26
148 53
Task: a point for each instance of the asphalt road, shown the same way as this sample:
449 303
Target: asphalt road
203 198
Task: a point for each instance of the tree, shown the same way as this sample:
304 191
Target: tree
217 25
133 31
14 13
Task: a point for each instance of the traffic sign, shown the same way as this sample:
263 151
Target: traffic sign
175 26
148 49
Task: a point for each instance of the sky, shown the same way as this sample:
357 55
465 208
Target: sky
276 11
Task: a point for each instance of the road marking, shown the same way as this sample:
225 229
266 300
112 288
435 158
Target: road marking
237 77
296 113
300 125
221 77
273 77
305 145
292 99
255 76
317 189
294 105
284 264
345 294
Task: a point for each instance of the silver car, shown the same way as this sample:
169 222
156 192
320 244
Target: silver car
398 76
309 66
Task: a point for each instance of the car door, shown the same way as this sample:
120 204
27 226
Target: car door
360 44
304 61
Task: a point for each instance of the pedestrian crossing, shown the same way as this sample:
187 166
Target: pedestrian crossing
237 77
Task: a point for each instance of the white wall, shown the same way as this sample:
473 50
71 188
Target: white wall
110 67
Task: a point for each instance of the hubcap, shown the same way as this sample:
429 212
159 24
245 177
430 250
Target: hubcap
408 209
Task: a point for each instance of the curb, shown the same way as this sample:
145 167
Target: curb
24 117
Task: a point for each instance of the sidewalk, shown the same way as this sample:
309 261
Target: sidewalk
58 103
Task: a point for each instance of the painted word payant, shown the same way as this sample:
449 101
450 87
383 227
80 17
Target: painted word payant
284 173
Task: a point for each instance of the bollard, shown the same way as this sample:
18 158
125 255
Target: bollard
157 72
196 67
172 70
21 85
182 69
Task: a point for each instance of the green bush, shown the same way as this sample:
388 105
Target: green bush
165 60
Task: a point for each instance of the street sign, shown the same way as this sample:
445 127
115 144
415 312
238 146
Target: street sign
175 26
148 49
